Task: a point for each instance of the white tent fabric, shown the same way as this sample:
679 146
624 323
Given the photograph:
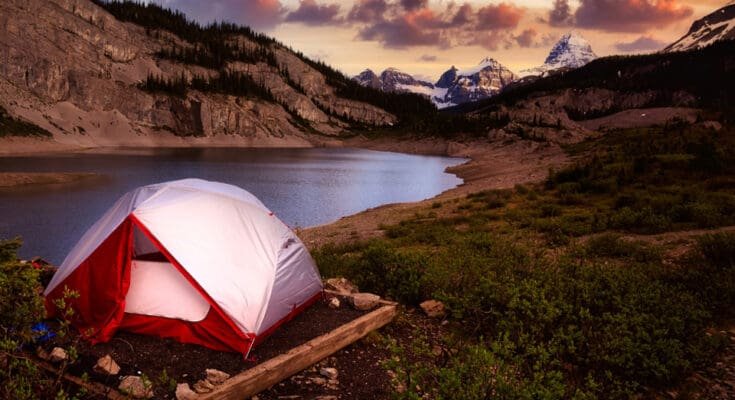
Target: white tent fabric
158 289
246 260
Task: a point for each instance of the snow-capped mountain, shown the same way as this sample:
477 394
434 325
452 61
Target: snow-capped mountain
453 87
369 79
720 25
392 80
571 51
485 79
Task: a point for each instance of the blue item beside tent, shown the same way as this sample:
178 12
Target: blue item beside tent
42 332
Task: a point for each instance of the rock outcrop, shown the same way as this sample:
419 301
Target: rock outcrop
72 68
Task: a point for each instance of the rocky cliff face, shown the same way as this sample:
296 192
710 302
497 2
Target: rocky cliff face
73 69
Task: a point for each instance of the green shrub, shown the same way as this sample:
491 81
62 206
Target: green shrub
21 307
613 246
718 250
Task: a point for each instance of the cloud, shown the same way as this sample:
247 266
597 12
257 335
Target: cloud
414 4
642 44
462 17
407 23
560 14
629 15
368 11
257 14
526 38
414 28
428 58
310 12
501 16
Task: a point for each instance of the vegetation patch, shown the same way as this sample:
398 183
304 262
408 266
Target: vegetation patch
538 313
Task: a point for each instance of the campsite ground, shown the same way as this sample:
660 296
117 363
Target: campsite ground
504 212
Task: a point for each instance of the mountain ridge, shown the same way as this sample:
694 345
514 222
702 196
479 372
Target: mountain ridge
715 26
453 87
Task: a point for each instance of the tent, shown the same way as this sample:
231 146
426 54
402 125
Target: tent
201 262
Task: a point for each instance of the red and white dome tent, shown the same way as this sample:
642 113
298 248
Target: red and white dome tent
201 262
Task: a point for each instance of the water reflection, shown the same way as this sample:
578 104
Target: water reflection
304 187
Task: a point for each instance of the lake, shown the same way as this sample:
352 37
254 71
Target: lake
304 187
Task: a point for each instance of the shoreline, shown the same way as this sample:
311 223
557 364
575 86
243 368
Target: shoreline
490 165
18 180
496 164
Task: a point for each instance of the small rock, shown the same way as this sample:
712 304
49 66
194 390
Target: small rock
58 355
334 303
365 301
135 387
433 308
330 373
107 366
216 377
325 398
203 386
341 285
289 397
184 392
318 381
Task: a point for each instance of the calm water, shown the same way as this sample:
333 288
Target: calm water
304 187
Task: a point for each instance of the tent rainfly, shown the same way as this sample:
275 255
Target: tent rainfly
201 262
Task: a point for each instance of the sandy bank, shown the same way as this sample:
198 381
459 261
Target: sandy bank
16 179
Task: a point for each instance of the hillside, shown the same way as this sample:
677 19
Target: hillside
559 106
718 25
121 73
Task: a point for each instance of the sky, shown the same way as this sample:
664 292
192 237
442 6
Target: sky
426 37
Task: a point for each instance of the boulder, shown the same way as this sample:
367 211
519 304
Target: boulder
341 285
329 373
136 387
216 377
106 366
365 301
433 308
184 392
334 303
58 355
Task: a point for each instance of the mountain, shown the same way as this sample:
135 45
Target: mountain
719 25
393 80
484 80
571 51
615 92
368 78
99 73
454 86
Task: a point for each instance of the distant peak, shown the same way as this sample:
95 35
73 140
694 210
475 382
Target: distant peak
487 60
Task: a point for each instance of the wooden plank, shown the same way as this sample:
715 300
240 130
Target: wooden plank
278 368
